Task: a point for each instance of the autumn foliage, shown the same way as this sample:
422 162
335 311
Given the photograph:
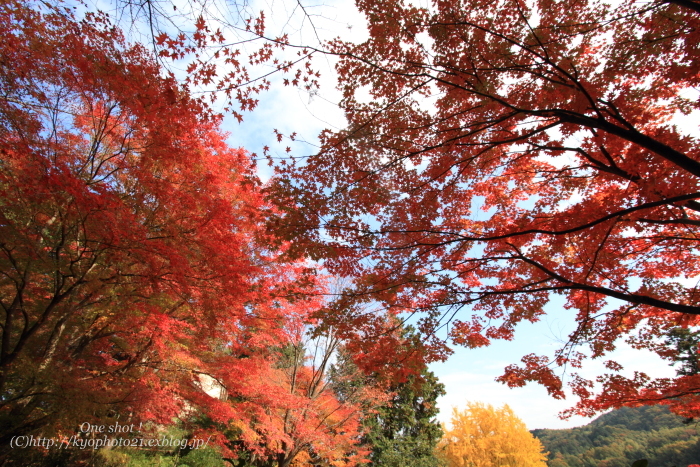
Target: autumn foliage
509 152
483 436
500 153
298 417
135 266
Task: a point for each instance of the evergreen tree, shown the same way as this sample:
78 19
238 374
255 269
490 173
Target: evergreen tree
685 342
405 433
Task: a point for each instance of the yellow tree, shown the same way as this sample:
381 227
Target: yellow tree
481 436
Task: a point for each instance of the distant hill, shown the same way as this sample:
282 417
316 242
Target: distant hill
623 436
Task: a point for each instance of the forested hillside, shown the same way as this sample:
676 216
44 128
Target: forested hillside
620 437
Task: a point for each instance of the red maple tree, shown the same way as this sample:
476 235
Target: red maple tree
133 257
510 151
296 417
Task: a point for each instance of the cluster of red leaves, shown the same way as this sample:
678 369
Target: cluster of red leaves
134 262
514 150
